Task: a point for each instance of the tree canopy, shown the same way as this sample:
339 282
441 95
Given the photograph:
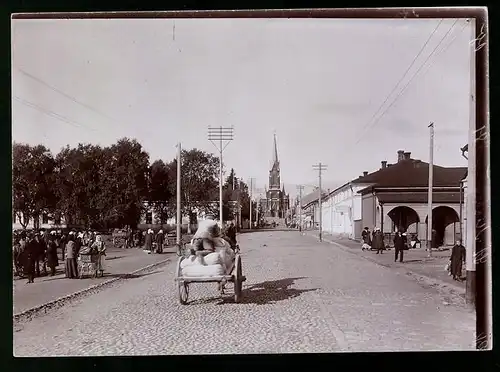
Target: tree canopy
110 186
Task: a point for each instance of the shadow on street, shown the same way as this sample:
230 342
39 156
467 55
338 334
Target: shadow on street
267 292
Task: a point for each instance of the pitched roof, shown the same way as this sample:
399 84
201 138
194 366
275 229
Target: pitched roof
418 197
414 173
312 197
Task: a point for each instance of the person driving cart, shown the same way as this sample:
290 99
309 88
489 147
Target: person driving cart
231 234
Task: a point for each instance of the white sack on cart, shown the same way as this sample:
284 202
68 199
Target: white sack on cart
207 229
213 259
193 261
203 271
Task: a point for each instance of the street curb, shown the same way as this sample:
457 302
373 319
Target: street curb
29 313
418 276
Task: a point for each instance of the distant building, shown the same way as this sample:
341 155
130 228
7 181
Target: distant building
277 201
44 221
398 199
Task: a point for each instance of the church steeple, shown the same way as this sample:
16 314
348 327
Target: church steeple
275 151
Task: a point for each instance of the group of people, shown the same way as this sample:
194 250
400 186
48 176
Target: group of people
36 250
153 243
375 240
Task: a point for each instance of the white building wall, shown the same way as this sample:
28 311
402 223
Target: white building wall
341 209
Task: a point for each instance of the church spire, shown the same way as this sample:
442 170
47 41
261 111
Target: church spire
275 150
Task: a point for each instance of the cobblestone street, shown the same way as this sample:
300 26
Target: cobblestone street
300 296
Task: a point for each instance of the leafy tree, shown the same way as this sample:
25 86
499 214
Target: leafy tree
32 178
125 182
78 184
199 180
161 192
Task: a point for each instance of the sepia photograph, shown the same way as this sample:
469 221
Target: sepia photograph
250 183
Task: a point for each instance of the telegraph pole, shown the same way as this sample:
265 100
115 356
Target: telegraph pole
220 138
431 184
300 188
320 167
179 222
251 202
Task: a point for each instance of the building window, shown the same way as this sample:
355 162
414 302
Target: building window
45 218
149 218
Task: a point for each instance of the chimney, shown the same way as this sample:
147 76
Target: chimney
407 155
401 154
365 173
384 164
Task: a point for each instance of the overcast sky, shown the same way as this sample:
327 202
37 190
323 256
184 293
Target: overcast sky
315 82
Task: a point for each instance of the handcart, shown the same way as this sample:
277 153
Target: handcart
236 277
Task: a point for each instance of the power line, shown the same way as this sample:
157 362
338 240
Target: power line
408 83
49 112
33 77
404 75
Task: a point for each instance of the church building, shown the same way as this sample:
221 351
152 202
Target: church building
277 202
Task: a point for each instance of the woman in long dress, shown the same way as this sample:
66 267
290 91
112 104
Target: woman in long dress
52 259
100 247
70 262
456 260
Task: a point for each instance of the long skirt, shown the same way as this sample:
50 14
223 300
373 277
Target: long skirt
101 266
71 268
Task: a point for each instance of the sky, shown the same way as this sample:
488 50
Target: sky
319 84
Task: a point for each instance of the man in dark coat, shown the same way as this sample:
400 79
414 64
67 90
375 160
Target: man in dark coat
231 233
398 247
160 239
378 241
29 258
456 260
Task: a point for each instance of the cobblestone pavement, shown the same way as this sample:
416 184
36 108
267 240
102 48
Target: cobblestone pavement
47 288
415 261
300 296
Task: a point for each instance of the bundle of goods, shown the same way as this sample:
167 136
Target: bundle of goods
204 238
213 264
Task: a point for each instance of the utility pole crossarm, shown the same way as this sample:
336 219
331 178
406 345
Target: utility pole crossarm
220 138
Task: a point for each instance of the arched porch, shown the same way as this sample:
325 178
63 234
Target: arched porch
405 219
445 223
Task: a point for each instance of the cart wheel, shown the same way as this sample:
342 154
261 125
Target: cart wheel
238 279
183 292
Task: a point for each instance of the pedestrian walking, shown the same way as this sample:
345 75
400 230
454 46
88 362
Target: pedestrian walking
366 236
39 249
70 268
457 259
52 260
378 241
398 246
100 247
160 240
29 259
148 242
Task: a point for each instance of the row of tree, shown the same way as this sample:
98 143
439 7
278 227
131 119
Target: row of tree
105 187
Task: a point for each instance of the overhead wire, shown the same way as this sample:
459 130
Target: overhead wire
404 75
50 113
73 99
408 83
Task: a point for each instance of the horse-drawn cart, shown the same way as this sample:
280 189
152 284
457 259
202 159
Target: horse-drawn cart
235 276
